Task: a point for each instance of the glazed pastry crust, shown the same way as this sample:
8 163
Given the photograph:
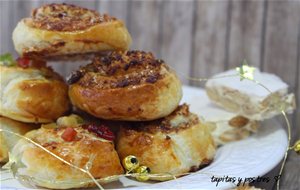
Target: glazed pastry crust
7 141
126 94
45 168
32 95
59 29
176 144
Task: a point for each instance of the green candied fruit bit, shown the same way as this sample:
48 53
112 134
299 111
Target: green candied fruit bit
72 120
7 60
79 119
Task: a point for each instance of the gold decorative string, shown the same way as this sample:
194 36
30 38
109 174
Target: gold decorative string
244 72
296 147
11 165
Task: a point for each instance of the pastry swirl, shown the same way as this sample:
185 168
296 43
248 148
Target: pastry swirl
120 69
60 30
176 144
130 85
33 95
78 147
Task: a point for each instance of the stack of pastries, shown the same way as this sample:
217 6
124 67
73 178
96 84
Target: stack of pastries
133 88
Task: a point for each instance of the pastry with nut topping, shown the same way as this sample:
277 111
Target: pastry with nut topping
130 86
60 30
176 144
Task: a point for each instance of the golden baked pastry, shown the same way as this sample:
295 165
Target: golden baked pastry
77 144
62 29
176 144
34 95
7 141
130 85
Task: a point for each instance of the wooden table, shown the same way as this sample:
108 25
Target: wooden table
290 178
291 174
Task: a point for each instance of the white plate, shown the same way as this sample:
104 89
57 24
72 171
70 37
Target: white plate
252 157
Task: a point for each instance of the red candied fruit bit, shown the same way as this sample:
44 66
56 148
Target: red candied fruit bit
69 134
23 62
101 131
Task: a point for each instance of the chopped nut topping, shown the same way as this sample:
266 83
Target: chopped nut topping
64 17
120 69
238 121
179 119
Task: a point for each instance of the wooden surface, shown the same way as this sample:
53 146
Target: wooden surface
201 38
